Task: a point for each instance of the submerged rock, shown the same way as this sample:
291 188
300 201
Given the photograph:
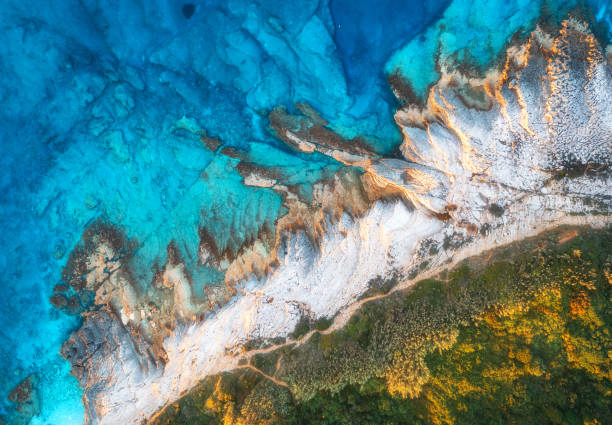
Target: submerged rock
25 395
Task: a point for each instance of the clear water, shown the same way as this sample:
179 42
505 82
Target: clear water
101 104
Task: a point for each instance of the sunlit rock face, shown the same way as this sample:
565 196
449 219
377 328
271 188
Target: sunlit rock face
483 162
184 181
525 129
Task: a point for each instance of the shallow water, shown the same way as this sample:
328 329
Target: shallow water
104 102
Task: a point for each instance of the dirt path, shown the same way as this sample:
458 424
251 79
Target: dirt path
265 375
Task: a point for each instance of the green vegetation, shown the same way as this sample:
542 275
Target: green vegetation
238 398
379 285
520 335
323 323
265 363
305 325
301 328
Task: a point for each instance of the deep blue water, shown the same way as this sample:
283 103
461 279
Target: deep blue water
101 102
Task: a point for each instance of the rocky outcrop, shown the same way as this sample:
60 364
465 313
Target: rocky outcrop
26 396
101 352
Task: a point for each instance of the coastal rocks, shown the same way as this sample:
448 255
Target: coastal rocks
523 142
102 351
25 395
102 251
349 192
307 133
99 272
458 159
484 162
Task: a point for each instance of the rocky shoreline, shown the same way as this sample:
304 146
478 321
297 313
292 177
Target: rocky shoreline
471 177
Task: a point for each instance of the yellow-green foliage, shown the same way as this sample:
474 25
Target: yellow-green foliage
242 397
526 340
541 360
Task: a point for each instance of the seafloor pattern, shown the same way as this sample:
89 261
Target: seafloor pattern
184 181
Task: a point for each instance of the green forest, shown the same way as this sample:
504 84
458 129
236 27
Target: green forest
518 335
